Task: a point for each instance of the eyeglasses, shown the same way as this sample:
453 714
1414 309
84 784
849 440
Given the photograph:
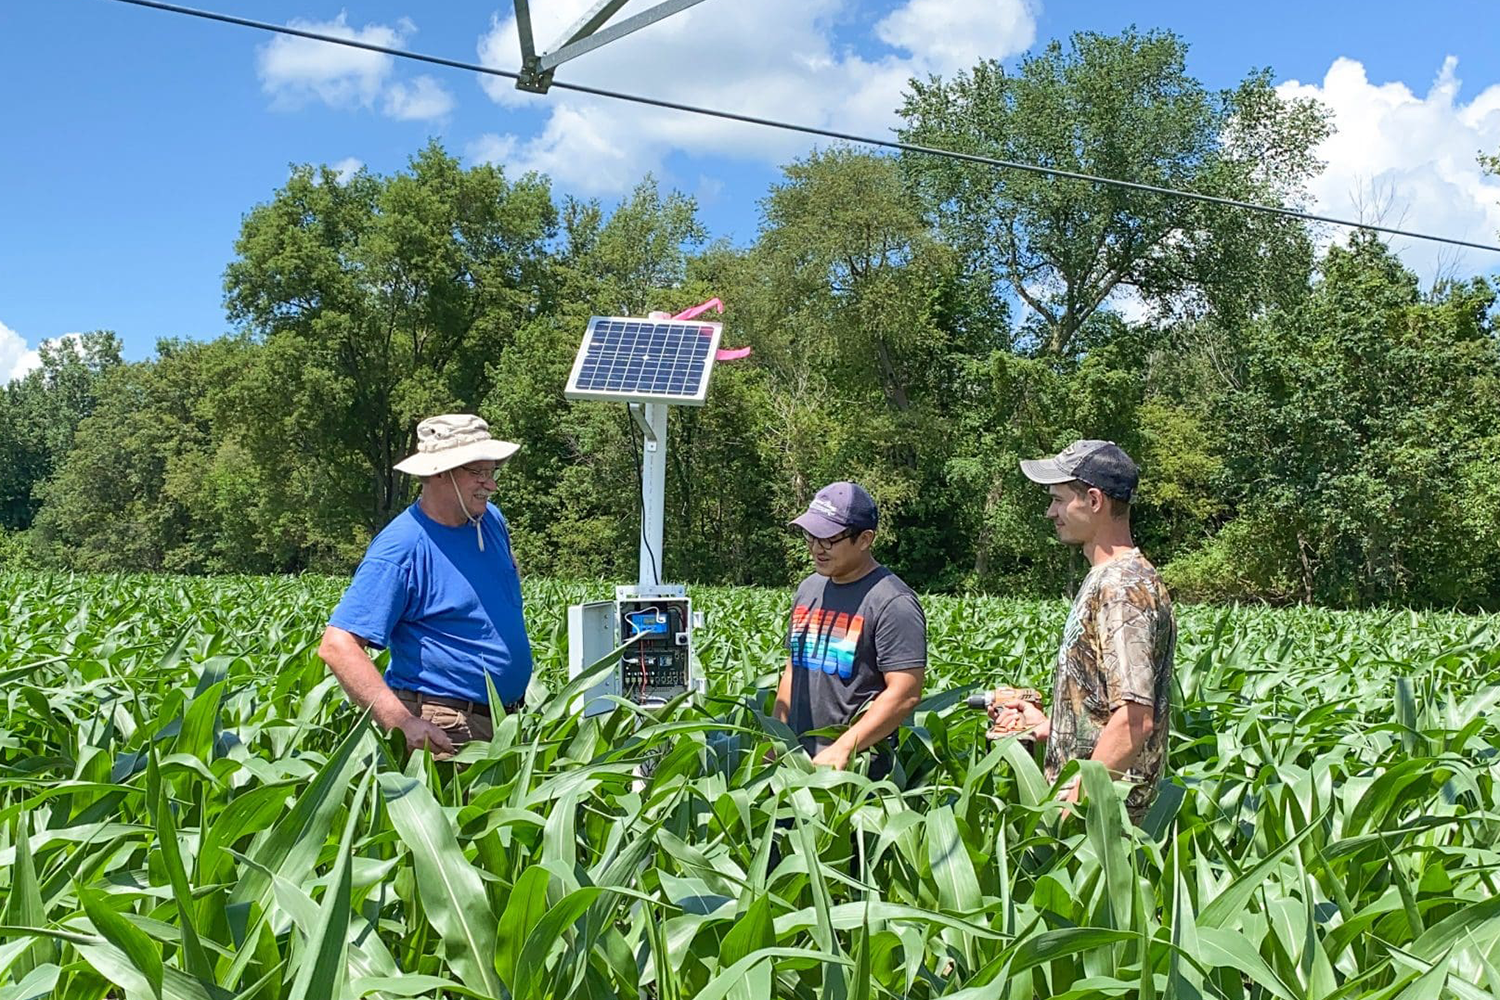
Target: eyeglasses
483 474
824 544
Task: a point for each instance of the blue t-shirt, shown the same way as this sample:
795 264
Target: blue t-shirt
449 613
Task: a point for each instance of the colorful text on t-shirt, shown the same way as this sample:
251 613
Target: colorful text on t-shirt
825 640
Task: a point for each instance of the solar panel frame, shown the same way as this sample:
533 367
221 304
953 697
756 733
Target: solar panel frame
643 361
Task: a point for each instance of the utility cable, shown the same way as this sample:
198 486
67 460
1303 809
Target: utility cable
905 147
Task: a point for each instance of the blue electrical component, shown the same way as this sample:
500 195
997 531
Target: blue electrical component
647 623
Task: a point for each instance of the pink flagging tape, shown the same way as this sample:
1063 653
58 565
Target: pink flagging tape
698 310
723 354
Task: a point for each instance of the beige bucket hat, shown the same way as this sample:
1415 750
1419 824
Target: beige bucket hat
453 439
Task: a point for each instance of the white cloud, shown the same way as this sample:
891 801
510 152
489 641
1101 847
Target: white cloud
295 70
710 189
423 100
16 359
298 71
346 168
577 146
946 36
1410 162
492 148
773 58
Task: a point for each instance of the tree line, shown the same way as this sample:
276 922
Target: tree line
1312 424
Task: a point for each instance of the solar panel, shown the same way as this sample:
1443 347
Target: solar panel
644 360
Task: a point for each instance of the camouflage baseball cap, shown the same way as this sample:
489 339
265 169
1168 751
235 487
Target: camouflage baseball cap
1101 464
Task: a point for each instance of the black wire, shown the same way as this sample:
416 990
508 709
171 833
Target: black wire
905 147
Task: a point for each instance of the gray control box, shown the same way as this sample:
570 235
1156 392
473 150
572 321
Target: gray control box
655 625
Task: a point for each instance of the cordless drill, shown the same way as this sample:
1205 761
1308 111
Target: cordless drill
1004 696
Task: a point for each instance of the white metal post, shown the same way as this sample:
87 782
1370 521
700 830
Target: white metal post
653 492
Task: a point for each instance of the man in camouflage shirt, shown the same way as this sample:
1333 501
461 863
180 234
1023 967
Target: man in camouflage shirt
1112 690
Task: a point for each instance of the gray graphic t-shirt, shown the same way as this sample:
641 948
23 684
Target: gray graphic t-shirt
843 638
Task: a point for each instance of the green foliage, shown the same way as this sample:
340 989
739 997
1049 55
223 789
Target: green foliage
1309 429
375 298
1121 107
192 809
175 486
851 315
1490 163
1355 421
14 550
40 413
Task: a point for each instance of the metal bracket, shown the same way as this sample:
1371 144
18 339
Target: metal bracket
586 35
638 414
530 78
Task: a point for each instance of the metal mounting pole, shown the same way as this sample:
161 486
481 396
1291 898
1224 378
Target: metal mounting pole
653 420
527 38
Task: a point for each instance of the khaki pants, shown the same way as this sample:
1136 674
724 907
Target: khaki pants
460 725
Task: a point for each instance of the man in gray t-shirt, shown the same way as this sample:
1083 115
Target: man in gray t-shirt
857 640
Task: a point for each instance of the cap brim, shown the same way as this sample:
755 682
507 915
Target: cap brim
818 525
1045 471
432 463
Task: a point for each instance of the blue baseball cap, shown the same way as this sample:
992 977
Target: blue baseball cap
837 508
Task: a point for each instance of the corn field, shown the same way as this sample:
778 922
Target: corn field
190 809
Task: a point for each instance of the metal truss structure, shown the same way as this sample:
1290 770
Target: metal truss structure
591 31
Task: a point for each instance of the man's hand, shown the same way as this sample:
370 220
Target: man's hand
836 755
423 735
1018 717
782 710
1068 796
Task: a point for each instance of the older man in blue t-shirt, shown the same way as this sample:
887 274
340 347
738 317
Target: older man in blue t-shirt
439 588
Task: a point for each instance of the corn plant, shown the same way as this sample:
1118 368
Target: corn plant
190 809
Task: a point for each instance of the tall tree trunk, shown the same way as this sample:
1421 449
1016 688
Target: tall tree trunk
1308 570
985 536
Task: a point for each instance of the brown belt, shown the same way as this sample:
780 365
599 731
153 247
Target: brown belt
462 704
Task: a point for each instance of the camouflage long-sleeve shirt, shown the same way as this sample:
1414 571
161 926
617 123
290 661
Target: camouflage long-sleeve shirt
1117 647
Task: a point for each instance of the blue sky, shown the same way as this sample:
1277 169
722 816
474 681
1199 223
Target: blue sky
133 140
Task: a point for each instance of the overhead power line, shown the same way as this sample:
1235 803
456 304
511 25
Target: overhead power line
905 147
